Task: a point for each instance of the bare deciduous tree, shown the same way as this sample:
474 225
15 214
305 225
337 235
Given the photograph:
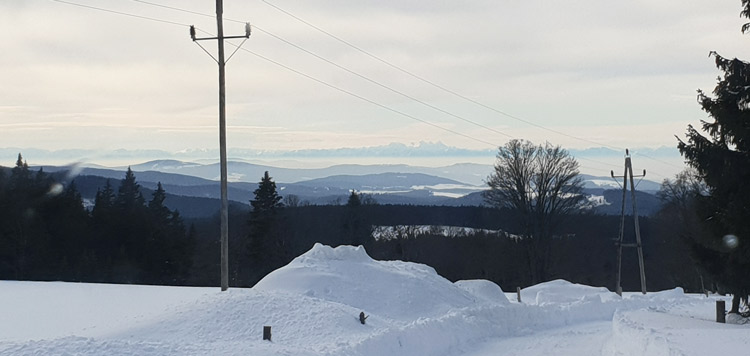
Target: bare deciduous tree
542 184
681 191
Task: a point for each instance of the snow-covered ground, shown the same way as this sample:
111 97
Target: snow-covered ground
313 306
387 232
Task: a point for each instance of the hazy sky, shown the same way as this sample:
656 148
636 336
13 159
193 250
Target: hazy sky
621 73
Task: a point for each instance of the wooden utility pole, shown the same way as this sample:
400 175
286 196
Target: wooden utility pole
222 134
628 175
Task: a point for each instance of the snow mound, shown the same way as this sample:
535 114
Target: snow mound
668 295
321 253
347 275
484 291
563 292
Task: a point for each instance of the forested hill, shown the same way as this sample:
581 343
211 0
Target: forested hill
196 197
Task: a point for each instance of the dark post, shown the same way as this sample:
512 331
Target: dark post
637 227
721 316
518 293
223 151
267 333
621 236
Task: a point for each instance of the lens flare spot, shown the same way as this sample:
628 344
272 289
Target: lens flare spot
55 189
731 241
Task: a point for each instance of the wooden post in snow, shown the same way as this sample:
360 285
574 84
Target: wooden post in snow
721 316
518 294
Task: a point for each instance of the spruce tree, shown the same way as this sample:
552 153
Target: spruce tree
129 230
156 205
354 226
264 248
129 195
21 170
169 252
67 221
354 199
722 160
264 206
266 200
103 203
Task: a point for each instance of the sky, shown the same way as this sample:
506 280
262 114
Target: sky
579 73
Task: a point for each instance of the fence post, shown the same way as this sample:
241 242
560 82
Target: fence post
267 333
721 316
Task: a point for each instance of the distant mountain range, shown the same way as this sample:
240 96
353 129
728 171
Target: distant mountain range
396 150
194 190
422 149
468 173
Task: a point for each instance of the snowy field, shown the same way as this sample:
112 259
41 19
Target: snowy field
313 305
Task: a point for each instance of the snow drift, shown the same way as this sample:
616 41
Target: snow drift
562 291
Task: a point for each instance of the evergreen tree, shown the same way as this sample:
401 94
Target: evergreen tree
265 248
264 205
129 197
103 202
156 205
357 233
129 228
722 161
43 227
354 199
266 200
25 229
67 223
21 170
169 251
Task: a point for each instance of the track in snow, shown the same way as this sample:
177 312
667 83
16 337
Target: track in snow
587 339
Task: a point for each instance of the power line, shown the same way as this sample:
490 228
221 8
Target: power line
319 80
391 109
290 43
290 69
122 13
369 54
383 85
182 10
368 100
352 72
420 78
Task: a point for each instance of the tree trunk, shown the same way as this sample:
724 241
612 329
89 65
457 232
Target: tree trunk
735 304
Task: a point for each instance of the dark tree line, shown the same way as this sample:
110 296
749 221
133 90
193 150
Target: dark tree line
46 233
582 248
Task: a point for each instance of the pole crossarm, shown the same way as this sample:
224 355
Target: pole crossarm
612 173
248 31
216 38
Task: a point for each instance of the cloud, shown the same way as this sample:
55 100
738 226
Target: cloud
604 71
